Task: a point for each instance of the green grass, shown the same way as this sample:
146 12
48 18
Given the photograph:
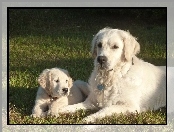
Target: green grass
42 39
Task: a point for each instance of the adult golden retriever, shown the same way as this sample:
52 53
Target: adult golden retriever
121 82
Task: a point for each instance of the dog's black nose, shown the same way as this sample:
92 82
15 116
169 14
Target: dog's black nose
65 90
101 59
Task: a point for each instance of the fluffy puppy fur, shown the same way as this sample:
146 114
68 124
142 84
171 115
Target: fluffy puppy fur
121 82
57 90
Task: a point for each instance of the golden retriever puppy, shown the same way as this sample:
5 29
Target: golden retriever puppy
57 90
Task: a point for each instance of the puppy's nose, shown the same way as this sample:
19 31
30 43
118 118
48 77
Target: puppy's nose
101 59
65 90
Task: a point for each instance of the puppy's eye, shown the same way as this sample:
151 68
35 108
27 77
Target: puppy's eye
66 81
99 45
56 81
115 47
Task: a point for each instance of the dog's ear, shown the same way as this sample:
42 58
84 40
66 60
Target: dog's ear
70 81
94 46
131 46
45 79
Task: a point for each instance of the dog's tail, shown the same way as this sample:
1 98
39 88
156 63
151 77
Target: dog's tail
82 86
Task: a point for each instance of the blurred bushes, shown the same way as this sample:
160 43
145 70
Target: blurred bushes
21 19
134 13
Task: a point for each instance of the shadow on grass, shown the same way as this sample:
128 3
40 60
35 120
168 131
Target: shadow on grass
22 99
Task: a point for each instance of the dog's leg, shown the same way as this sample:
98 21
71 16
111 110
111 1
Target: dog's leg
39 109
108 111
56 105
82 86
87 104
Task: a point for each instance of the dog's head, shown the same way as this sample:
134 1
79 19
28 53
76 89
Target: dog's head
55 81
112 46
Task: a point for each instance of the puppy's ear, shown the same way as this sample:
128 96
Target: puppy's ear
70 82
131 46
45 79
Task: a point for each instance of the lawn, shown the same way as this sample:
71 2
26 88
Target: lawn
47 38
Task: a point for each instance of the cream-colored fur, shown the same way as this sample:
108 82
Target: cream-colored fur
129 84
52 82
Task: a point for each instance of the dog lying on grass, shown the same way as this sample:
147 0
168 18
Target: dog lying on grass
56 91
120 81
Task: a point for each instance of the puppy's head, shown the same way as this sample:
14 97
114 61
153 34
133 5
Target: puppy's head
56 82
112 46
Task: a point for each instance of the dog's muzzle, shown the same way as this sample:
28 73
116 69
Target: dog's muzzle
101 60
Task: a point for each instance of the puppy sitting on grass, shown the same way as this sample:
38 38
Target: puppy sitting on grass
56 91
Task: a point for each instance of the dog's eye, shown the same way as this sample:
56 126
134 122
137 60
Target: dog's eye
66 81
57 81
99 45
115 47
